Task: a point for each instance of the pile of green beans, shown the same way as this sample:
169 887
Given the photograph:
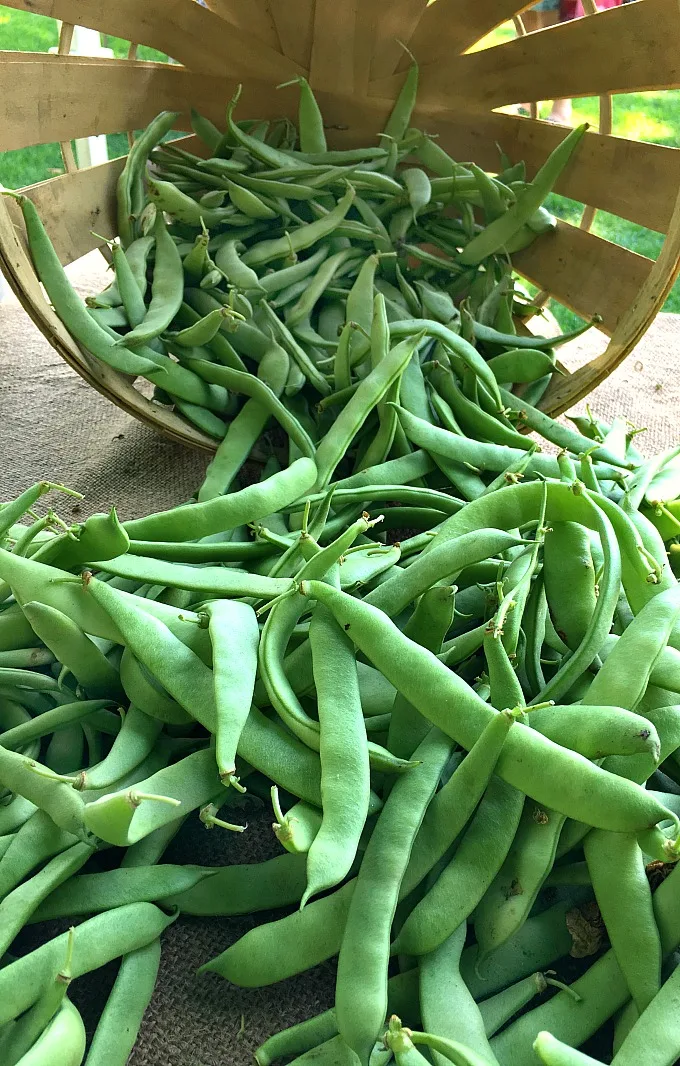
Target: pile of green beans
267 285
470 735
448 659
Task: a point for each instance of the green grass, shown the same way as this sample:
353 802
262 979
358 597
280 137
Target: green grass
650 116
22 31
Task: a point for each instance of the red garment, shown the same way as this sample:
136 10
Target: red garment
573 9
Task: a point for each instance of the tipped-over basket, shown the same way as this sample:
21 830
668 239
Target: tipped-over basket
352 55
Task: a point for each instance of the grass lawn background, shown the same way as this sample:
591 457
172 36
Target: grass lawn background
648 116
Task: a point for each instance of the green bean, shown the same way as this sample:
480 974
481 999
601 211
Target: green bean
235 636
49 721
138 735
314 289
63 1036
471 417
299 239
488 335
498 232
125 816
555 1053
146 693
272 157
401 995
333 446
400 116
450 1049
16 814
18 905
263 744
36 841
310 121
271 952
202 551
194 521
598 733
478 454
246 889
274 188
521 365
100 939
463 882
150 849
242 382
281 279
75 651
206 130
557 433
345 771
166 290
215 580
418 188
275 636
617 870
96 892
229 262
18 1037
67 304
37 784
605 800
130 179
499 1009
447 1008
121 1019
25 658
101 534
128 286
441 563
361 990
283 335
297 829
508 900
656 1032
245 429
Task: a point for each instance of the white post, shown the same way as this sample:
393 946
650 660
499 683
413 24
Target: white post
89 150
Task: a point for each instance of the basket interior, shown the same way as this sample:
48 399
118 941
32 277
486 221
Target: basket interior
354 59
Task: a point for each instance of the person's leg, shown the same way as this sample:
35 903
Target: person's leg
560 112
561 109
538 18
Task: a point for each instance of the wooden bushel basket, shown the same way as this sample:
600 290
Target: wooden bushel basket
349 50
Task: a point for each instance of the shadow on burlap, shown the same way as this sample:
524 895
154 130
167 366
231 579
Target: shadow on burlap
54 426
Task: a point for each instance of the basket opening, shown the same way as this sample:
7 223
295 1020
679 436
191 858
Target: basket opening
27 166
121 49
25 31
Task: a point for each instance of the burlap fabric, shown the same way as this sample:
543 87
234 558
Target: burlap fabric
54 426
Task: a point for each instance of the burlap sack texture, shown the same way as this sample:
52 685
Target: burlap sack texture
54 426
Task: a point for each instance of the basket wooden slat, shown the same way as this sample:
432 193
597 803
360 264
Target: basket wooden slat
365 40
577 268
73 205
442 32
611 173
332 64
395 23
253 18
184 30
16 268
631 329
350 52
550 63
294 23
